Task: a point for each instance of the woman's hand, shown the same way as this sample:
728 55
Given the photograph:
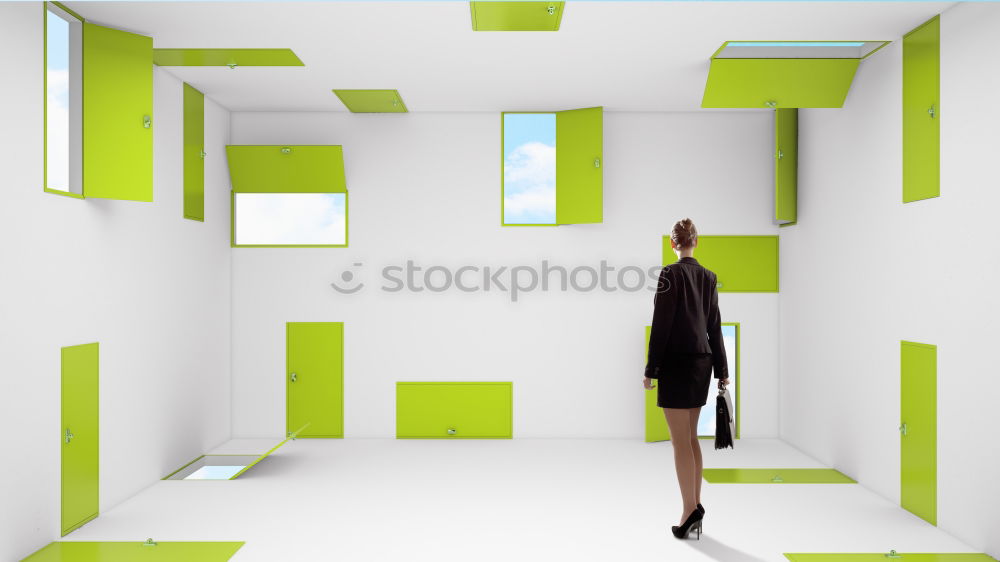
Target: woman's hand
647 383
723 383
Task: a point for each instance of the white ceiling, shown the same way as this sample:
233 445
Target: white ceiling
626 56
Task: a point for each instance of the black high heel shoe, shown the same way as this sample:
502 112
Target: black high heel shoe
701 508
693 522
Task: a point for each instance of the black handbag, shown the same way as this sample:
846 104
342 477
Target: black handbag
724 424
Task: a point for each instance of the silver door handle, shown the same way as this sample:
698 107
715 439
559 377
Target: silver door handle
146 122
903 430
597 162
932 112
294 377
67 437
452 431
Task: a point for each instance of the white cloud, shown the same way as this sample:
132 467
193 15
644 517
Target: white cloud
530 184
57 130
291 218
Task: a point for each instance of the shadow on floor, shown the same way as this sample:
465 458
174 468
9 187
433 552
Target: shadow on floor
719 551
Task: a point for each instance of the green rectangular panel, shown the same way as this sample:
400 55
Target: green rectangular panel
757 83
372 101
454 410
117 114
194 153
286 169
135 552
918 430
579 166
775 476
743 264
493 15
315 378
921 112
79 436
656 425
225 57
786 164
882 557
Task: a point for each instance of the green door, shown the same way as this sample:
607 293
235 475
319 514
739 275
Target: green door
136 552
921 112
786 165
194 154
918 429
117 114
454 410
760 83
579 161
315 378
79 436
743 264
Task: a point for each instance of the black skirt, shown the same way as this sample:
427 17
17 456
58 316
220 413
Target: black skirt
684 380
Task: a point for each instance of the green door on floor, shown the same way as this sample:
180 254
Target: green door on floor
314 380
918 430
79 438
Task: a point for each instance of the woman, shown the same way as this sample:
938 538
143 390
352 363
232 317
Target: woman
685 346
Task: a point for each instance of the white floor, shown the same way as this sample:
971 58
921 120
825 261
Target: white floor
522 499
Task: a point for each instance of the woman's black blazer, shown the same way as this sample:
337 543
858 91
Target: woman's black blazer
686 317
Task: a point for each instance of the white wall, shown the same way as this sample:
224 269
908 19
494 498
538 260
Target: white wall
150 286
863 271
426 187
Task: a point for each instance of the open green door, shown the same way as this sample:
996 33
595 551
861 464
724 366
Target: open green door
117 114
579 161
918 430
786 165
194 154
79 437
921 112
315 378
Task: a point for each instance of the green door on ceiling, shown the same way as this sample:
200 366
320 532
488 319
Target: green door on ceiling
921 112
314 379
79 437
918 429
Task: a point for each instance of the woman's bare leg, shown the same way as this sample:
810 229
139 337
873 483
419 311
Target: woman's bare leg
679 421
696 449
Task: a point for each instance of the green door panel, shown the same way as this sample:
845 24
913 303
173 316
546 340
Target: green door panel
775 476
314 379
135 552
286 169
494 15
580 166
194 154
656 425
742 263
225 57
921 112
471 409
79 436
881 557
786 165
918 429
117 114
756 83
372 101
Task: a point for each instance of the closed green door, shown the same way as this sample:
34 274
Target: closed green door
918 429
579 166
454 410
786 165
286 169
743 264
921 112
117 114
79 436
315 378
